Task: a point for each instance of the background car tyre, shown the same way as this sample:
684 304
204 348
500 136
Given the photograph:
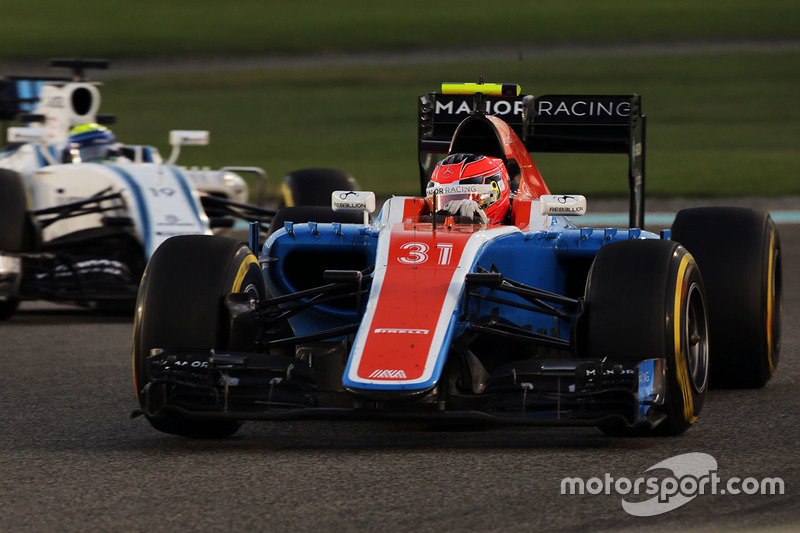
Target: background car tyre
13 224
313 186
194 273
645 299
739 254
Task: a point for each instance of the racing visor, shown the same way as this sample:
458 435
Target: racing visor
99 151
484 194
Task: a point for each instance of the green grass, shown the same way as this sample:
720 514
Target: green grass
91 28
718 123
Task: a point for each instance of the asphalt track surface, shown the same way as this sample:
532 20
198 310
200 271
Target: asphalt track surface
71 459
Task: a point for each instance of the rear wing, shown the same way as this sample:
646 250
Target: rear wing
20 95
598 124
53 101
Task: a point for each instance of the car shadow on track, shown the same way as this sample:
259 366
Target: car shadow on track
356 436
44 314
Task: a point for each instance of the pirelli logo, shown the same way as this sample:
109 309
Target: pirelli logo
401 331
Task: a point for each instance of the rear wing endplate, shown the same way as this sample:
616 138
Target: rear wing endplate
20 95
597 124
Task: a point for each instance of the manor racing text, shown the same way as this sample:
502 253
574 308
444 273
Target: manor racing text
579 108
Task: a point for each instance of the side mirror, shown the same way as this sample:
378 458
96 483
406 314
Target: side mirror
188 137
26 135
562 204
33 135
178 138
354 201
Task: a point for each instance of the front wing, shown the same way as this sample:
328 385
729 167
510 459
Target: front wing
249 386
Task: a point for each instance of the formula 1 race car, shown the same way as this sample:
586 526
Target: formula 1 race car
80 213
436 312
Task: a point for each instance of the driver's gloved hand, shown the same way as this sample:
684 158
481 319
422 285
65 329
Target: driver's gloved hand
466 208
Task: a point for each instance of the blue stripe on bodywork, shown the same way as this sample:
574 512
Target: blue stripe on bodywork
187 192
28 90
40 156
144 216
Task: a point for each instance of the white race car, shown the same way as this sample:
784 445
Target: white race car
80 213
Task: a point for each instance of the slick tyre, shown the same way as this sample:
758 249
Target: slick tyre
313 186
645 299
13 221
738 251
181 306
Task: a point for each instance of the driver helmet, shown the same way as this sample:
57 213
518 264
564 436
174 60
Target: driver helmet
91 142
480 178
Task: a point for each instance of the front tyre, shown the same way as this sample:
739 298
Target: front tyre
13 207
181 306
645 299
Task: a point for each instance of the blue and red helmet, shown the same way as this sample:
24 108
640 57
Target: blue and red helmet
91 142
453 176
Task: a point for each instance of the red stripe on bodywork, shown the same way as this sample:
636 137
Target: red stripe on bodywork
521 214
420 267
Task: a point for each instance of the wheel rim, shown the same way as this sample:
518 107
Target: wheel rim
251 290
696 337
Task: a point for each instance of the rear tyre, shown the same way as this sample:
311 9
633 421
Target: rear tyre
13 226
739 253
313 186
645 299
181 306
8 307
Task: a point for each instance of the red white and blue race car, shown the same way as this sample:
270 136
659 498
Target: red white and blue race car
479 301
